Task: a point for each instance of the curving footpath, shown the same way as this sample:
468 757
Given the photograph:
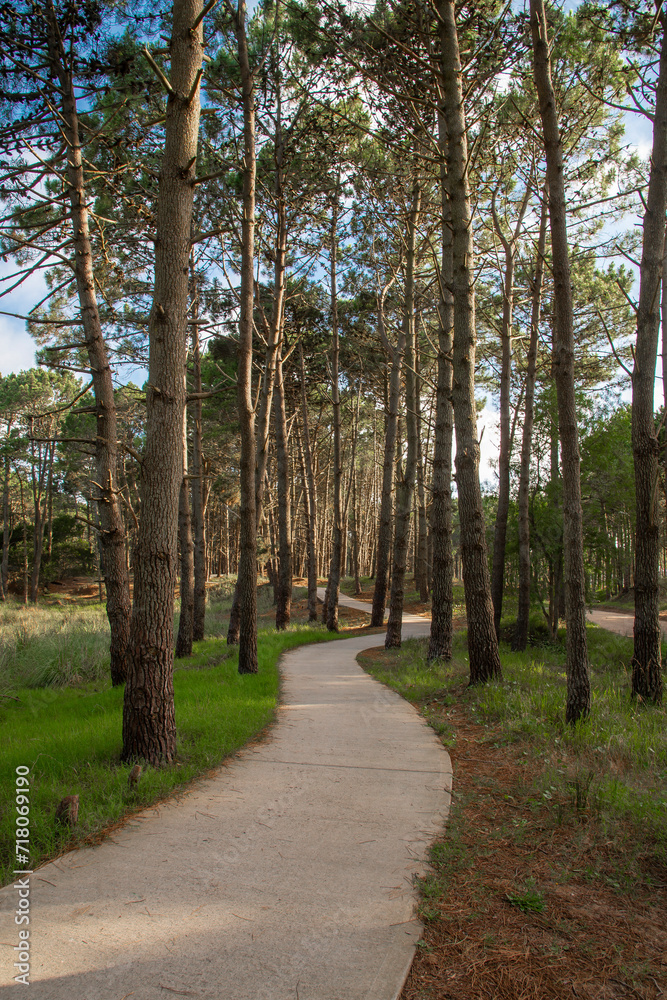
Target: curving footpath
618 621
286 876
352 602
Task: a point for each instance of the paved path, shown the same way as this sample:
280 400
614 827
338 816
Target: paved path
616 621
352 602
613 621
287 875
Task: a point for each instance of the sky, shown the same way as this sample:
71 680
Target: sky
17 348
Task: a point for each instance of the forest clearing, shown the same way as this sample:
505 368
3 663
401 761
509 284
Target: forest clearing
330 303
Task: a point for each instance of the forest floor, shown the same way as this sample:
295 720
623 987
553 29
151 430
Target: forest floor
84 590
541 887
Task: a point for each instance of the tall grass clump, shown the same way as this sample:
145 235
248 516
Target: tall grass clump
48 646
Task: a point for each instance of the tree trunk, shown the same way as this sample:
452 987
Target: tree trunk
502 513
482 641
149 727
421 525
186 619
284 583
384 530
356 559
273 335
646 659
197 482
520 638
442 600
578 680
112 527
42 482
311 481
663 317
337 540
247 576
406 482
24 538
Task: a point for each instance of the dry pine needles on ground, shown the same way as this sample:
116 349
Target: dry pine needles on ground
528 911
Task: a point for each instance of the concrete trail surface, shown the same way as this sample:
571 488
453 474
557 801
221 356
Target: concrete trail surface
288 874
352 602
616 621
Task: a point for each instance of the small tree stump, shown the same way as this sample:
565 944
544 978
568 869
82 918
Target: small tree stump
67 811
134 775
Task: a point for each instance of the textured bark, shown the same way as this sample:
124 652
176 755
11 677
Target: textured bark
284 583
646 659
578 680
247 575
555 537
273 335
337 537
482 642
355 537
186 541
406 482
284 588
197 486
502 513
311 481
406 477
442 599
149 727
186 619
24 536
112 528
663 316
520 638
385 519
421 524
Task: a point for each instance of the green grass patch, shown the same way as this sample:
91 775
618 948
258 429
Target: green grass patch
611 767
47 646
528 900
70 739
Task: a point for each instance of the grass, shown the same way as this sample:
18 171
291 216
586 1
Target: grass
530 900
45 646
625 601
553 866
529 702
62 719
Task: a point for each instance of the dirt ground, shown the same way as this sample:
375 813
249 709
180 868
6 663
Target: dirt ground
582 939
72 589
